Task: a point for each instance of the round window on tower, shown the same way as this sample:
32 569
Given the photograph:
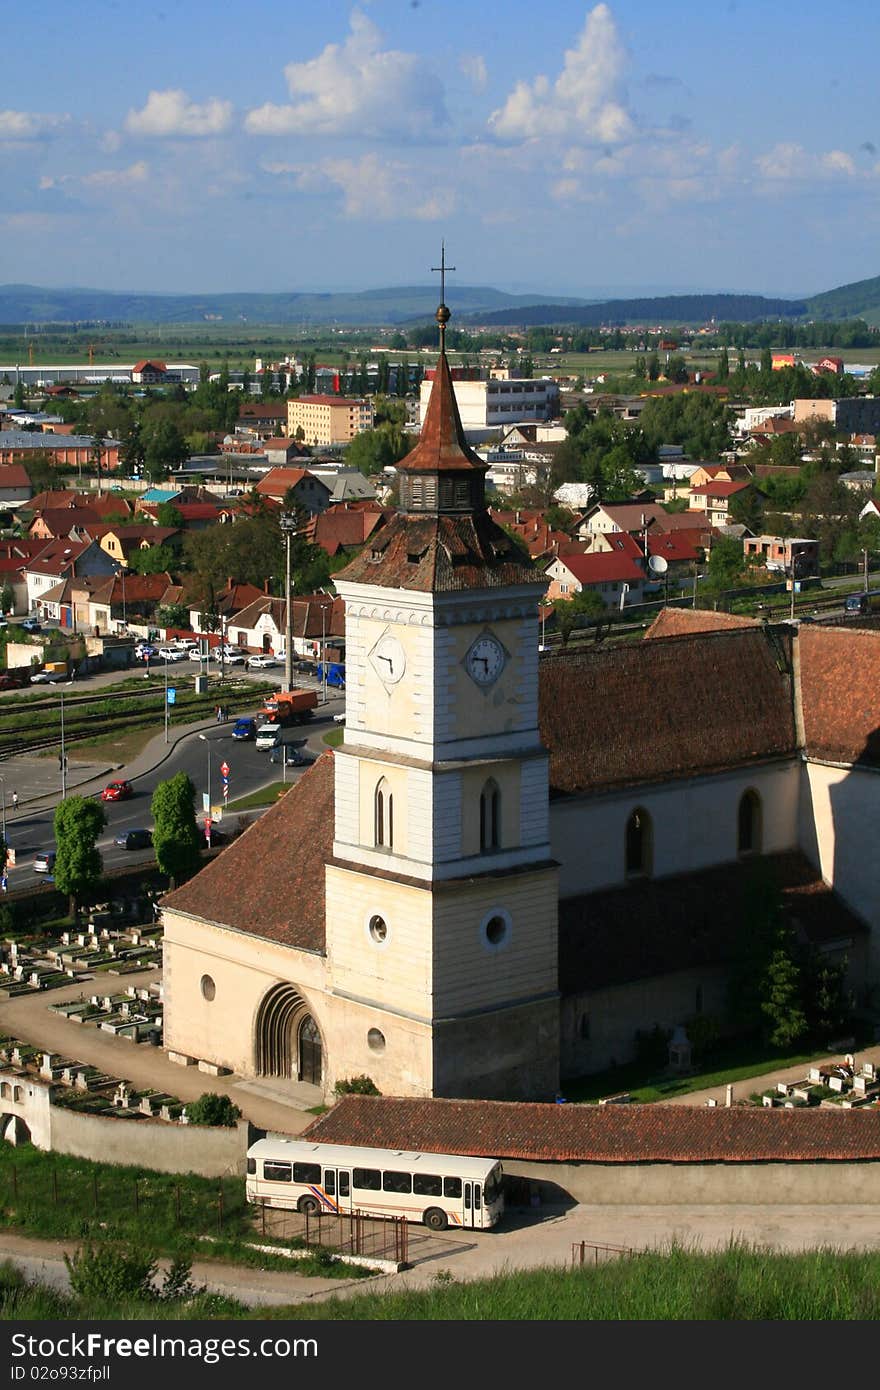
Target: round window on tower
495 929
208 988
377 929
376 1040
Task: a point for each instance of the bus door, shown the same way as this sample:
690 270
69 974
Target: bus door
337 1187
473 1204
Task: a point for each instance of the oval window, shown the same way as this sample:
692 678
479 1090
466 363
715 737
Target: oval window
209 989
376 1040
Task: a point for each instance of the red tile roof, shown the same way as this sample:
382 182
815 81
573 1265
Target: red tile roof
718 489
602 1133
601 567
682 622
840 693
655 711
270 881
14 475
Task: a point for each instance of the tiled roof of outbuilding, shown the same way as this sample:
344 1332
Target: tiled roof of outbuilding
686 622
655 711
602 1133
270 881
840 693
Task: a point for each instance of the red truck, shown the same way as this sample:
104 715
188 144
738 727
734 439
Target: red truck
288 707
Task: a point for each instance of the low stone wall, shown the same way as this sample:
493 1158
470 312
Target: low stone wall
142 1143
703 1184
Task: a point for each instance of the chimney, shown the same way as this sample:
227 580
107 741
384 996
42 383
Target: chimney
728 1097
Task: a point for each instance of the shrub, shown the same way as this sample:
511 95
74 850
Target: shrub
110 1272
214 1110
357 1086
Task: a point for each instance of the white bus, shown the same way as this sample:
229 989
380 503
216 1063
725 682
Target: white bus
439 1190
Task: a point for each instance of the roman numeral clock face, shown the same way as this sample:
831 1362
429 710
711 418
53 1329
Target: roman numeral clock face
485 659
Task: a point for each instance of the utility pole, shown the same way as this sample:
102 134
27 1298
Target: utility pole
865 553
289 527
63 758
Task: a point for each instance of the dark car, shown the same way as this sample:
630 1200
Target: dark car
293 757
13 680
244 728
134 839
117 791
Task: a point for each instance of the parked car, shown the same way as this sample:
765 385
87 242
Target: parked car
48 677
262 661
244 728
143 651
44 863
170 654
134 839
117 791
235 659
13 680
32 625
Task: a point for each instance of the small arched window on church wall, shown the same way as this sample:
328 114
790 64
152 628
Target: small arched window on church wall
383 816
749 826
490 816
639 848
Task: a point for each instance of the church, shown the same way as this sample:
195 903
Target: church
509 870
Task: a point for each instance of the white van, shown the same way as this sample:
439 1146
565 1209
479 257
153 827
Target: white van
268 736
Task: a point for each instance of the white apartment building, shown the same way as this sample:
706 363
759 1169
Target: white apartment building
485 403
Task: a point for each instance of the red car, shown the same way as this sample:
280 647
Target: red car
117 791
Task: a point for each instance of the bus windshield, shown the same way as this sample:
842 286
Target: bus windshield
492 1186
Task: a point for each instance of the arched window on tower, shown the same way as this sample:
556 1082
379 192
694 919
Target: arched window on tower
639 844
748 829
383 817
490 816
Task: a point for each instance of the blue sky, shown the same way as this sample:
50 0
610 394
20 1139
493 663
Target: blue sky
571 149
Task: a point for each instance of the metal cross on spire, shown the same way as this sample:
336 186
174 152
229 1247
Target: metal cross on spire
442 314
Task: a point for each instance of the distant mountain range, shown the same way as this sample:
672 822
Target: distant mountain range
31 304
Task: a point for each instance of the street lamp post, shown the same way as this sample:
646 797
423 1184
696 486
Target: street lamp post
205 739
63 758
289 527
3 785
166 699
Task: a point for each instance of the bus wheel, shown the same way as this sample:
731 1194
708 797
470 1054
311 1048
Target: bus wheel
435 1219
307 1205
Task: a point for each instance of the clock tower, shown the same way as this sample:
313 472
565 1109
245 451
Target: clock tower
441 893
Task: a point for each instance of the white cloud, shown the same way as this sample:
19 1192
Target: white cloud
787 160
586 102
115 178
172 114
29 125
474 68
356 88
373 189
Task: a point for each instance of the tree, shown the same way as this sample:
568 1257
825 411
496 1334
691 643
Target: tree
576 612
155 559
175 833
78 866
168 515
7 597
785 1021
723 365
164 446
214 1110
18 396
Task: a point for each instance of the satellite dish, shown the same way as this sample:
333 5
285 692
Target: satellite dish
657 564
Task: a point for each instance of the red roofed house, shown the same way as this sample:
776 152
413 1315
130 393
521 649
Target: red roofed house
617 578
346 526
15 484
149 373
308 491
509 869
714 499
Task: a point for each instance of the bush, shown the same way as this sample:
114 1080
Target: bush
110 1272
214 1110
357 1086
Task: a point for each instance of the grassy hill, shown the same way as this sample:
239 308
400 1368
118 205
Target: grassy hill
858 300
664 309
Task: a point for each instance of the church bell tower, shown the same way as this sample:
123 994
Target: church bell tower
441 894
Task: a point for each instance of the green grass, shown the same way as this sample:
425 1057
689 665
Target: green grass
264 796
738 1062
740 1283
334 737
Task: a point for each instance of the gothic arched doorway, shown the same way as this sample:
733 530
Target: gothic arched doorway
288 1041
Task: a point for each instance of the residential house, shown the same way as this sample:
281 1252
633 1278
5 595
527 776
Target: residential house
715 498
346 527
15 485
790 555
308 491
232 597
616 577
316 620
265 419
149 373
14 555
280 452
346 484
63 559
120 541
636 517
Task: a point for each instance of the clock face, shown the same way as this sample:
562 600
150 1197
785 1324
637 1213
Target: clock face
388 659
485 660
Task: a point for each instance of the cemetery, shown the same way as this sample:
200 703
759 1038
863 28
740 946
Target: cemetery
846 1086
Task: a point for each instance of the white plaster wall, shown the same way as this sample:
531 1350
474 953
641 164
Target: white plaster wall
841 807
694 825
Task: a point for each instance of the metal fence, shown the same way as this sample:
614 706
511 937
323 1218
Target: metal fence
346 1234
585 1252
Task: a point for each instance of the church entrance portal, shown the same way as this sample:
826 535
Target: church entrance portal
288 1042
